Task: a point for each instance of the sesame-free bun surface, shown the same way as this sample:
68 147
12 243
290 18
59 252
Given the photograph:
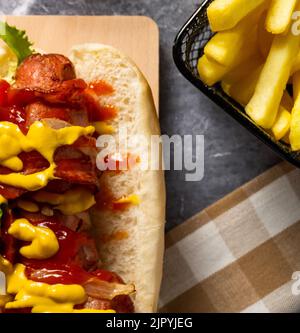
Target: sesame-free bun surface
137 256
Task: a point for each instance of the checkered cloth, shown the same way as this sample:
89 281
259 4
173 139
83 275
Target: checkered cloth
240 254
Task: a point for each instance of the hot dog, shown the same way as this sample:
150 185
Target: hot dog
73 236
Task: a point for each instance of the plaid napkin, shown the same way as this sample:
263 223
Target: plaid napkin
240 254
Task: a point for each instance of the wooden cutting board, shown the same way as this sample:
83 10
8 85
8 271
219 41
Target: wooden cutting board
137 36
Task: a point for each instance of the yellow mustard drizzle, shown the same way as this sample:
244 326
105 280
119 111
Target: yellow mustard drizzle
5 266
131 199
13 163
2 200
41 297
45 298
41 138
44 243
102 127
71 202
29 206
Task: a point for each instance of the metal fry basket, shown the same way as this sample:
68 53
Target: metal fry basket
188 48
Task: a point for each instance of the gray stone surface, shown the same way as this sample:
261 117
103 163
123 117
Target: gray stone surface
232 155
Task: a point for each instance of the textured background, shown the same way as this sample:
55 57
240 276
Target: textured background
232 155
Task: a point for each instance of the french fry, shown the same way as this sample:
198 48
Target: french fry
226 47
244 69
210 71
225 14
265 39
295 118
264 104
287 104
280 15
296 86
243 90
226 87
282 123
296 65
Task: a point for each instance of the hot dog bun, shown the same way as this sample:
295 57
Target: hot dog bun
138 256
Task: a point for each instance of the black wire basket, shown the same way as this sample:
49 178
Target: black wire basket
188 48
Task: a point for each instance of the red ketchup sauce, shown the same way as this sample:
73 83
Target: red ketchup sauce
69 241
121 163
99 112
101 87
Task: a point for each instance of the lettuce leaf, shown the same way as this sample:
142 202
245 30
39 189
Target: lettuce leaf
17 41
8 64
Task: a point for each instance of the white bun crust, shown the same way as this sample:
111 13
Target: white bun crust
138 257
